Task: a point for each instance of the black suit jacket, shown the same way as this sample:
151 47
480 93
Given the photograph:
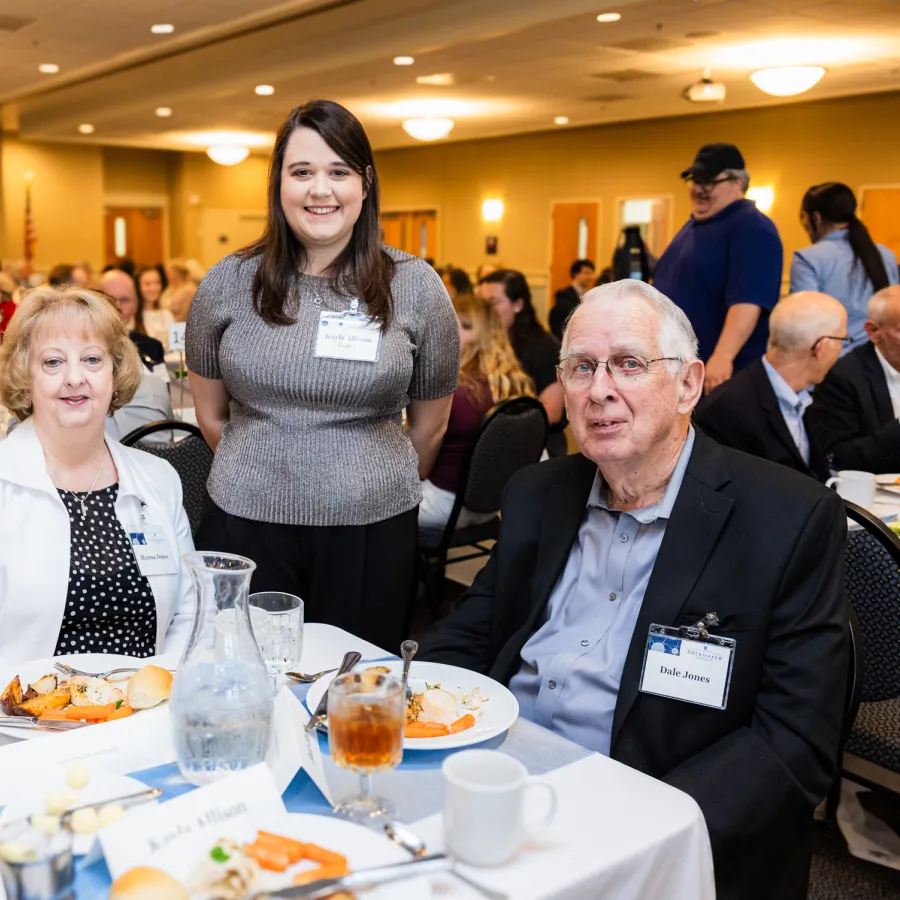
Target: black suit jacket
743 413
852 418
764 548
566 301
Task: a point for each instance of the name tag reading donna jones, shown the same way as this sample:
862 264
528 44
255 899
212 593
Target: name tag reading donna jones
343 336
151 550
695 671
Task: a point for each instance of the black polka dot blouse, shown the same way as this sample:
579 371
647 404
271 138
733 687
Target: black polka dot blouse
110 606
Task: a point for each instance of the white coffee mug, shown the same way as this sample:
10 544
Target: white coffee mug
484 815
857 487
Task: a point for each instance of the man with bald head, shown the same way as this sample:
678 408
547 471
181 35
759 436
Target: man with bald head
656 526
855 415
121 288
761 409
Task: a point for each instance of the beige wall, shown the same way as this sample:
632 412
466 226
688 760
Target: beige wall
132 171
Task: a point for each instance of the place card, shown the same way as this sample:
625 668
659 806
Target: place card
192 823
293 746
176 335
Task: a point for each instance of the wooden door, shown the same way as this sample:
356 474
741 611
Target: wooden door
413 232
575 235
880 210
135 232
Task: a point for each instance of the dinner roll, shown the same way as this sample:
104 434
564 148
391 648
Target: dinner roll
148 687
144 883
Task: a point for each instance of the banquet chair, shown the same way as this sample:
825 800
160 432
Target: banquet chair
190 456
873 587
512 435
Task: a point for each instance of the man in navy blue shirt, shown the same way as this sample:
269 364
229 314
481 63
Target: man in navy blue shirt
724 267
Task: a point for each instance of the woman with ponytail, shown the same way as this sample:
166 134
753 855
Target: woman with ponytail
843 261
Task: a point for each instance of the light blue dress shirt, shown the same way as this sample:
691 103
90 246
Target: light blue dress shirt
572 665
827 266
792 406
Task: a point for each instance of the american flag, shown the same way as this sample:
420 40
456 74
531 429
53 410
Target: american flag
30 230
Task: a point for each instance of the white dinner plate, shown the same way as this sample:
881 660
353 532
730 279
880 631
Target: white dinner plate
887 479
29 799
498 713
87 662
363 849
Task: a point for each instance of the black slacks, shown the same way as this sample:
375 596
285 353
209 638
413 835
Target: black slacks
361 578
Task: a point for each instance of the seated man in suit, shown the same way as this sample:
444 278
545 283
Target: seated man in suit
760 410
656 524
567 299
855 410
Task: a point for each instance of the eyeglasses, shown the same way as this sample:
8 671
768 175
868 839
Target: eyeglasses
709 185
832 337
622 369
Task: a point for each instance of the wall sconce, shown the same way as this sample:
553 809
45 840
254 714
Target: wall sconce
492 210
763 197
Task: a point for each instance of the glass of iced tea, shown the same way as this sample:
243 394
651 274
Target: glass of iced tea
366 715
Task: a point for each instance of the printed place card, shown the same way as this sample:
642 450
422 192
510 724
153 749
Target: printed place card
176 335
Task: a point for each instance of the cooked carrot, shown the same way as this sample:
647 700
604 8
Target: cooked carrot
310 875
461 724
267 857
91 713
123 712
54 714
294 850
315 853
425 730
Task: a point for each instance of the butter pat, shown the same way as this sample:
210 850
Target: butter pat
85 821
77 775
110 813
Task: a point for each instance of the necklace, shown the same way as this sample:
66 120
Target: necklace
89 491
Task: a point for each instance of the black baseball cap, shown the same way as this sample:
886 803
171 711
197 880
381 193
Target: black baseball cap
712 159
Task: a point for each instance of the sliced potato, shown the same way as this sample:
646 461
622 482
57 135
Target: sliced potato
44 703
12 696
45 685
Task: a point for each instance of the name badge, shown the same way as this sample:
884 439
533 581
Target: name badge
151 550
695 671
348 336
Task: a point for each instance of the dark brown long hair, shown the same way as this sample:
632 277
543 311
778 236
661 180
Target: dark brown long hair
362 268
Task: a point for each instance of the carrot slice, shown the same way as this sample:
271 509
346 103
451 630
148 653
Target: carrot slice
123 712
54 714
268 858
333 871
461 724
294 850
91 713
425 730
315 853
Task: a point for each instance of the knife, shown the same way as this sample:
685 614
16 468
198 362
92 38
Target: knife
26 723
362 879
349 661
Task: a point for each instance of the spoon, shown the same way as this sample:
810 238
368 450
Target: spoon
408 650
305 678
416 847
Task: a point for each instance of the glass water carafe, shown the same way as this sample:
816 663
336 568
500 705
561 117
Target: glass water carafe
222 703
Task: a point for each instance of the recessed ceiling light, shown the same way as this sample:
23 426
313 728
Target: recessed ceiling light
48 68
86 129
264 90
163 112
428 129
162 29
609 17
443 79
228 155
561 120
786 81
403 60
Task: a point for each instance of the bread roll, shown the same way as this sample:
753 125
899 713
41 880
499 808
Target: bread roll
144 883
148 687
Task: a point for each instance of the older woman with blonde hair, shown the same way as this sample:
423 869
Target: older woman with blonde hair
91 532
489 373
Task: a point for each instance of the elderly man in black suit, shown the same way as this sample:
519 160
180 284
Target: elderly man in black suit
566 301
654 524
760 410
855 415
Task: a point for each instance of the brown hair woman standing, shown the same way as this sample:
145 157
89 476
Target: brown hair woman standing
303 350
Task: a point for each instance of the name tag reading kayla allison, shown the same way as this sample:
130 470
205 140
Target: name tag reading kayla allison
693 670
348 335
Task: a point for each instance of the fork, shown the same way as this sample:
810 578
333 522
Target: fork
63 669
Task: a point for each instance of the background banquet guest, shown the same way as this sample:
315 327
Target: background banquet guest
8 291
150 287
456 281
121 287
489 373
538 351
655 523
843 260
723 268
582 273
314 477
180 290
70 499
61 274
855 413
760 409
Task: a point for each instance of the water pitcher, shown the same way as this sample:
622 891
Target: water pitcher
222 702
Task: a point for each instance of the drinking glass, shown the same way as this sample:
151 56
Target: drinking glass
277 621
366 716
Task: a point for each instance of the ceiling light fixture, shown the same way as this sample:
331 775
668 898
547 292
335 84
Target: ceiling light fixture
443 79
86 129
264 90
228 155
786 81
705 90
609 17
48 68
162 29
403 60
163 112
561 120
428 129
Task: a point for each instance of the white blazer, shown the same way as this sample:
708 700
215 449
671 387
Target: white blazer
35 542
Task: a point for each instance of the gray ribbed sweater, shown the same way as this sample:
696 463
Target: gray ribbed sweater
311 440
